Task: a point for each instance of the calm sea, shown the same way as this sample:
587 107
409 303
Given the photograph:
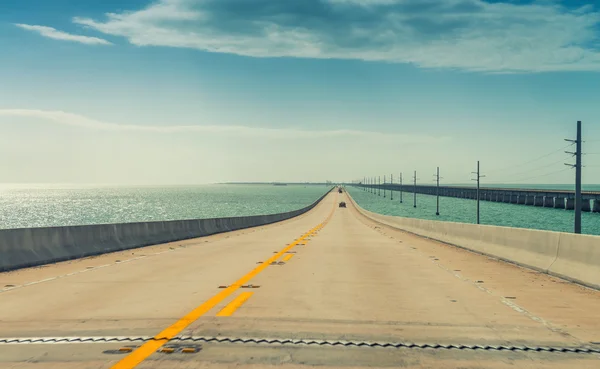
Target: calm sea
57 205
53 205
492 213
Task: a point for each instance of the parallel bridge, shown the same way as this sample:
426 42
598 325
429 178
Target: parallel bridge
559 199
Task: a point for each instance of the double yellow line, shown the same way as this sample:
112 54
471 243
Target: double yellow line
150 347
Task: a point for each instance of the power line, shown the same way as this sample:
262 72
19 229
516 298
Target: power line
532 160
536 169
540 176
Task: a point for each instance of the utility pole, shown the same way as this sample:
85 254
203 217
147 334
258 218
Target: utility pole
384 186
577 166
415 190
400 187
478 177
391 189
437 212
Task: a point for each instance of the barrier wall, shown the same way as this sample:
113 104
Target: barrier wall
570 256
26 247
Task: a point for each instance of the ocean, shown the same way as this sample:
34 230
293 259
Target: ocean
491 213
23 206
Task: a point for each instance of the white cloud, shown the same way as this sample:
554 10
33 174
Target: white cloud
60 35
75 120
465 34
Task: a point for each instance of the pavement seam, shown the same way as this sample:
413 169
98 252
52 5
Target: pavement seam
301 342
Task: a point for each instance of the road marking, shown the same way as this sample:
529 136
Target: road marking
288 257
508 303
143 352
87 269
235 304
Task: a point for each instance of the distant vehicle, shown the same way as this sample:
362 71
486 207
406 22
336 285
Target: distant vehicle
342 204
340 190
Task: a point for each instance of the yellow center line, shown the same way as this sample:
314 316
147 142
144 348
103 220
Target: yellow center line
288 257
143 352
235 304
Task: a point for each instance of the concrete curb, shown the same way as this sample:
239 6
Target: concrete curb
28 247
569 256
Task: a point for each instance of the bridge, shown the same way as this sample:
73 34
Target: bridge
535 197
331 287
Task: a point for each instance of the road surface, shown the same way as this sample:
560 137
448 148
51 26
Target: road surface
331 278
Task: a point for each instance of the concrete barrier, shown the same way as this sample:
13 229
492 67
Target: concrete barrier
578 259
570 256
27 247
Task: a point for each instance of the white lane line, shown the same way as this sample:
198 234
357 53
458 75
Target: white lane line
508 303
6 289
505 301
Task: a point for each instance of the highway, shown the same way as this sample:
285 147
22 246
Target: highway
327 276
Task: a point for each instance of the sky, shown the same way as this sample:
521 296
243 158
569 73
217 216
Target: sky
205 91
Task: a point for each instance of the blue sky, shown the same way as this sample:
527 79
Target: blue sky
199 91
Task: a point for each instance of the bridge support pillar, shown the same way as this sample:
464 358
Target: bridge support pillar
570 204
548 202
596 206
539 201
506 197
521 199
585 205
529 200
559 203
514 199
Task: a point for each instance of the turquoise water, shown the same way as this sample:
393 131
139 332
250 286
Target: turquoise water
45 206
492 213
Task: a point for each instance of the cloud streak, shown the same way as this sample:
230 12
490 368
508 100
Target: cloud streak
55 34
79 121
472 35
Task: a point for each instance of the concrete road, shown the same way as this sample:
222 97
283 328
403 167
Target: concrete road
331 278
